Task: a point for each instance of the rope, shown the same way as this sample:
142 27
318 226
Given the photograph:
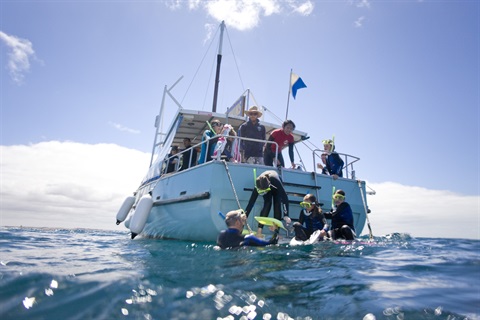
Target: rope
235 192
365 207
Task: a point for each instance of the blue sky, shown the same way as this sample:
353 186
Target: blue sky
396 82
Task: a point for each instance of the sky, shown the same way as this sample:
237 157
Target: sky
396 82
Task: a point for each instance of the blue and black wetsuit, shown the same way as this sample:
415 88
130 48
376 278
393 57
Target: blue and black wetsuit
342 222
315 221
232 238
334 164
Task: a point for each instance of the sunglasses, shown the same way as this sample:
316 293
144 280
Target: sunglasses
338 197
217 124
263 191
305 204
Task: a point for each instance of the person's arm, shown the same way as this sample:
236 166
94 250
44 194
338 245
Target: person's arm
291 154
251 202
339 164
301 217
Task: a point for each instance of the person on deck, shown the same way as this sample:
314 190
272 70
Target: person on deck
270 186
216 129
233 237
283 137
172 160
333 162
313 218
189 156
252 150
229 153
342 218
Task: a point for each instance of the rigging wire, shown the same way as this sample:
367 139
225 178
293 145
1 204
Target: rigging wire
198 68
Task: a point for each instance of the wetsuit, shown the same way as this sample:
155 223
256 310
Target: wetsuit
277 195
232 238
282 140
313 222
342 222
334 164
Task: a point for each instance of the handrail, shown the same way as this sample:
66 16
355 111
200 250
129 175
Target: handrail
348 166
349 160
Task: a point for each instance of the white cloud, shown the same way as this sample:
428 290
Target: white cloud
304 9
363 4
67 184
20 52
422 212
123 128
245 14
359 22
74 185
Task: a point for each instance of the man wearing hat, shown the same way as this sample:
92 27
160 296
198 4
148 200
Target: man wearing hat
252 151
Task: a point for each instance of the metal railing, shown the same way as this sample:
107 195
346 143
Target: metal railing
348 159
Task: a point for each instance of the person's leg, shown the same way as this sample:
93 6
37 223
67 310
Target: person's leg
268 158
347 233
299 232
277 206
267 204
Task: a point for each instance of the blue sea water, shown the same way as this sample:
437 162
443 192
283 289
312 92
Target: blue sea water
97 274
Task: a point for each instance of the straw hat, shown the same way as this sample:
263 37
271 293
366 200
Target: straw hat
254 109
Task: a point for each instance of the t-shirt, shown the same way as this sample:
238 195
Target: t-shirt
281 139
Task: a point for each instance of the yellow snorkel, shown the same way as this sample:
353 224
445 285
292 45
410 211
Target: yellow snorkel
333 193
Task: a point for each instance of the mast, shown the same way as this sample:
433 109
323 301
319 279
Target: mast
219 62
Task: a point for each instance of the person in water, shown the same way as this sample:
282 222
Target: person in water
233 237
270 186
313 218
283 137
342 218
333 163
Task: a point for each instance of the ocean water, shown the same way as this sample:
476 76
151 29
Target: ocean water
97 274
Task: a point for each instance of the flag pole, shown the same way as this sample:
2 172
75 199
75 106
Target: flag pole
289 92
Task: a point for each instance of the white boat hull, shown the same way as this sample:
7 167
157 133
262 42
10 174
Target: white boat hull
186 204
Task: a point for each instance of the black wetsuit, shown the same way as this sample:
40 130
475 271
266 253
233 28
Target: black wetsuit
313 222
277 195
232 238
342 222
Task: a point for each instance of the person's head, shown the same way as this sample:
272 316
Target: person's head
339 197
253 113
236 219
262 184
174 149
328 145
288 126
309 203
187 142
217 126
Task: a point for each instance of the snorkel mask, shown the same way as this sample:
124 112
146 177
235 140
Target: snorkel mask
260 191
338 197
305 204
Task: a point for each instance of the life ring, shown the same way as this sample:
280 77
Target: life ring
125 209
140 215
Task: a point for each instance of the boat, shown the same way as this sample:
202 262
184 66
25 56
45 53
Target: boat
189 204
